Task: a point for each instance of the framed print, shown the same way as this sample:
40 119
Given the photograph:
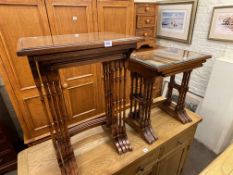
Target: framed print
221 26
176 20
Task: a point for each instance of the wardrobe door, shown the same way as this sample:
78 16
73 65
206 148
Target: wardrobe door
115 16
81 85
22 19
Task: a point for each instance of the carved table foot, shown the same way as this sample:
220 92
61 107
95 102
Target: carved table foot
177 111
122 143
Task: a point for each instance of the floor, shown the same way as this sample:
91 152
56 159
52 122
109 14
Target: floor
199 157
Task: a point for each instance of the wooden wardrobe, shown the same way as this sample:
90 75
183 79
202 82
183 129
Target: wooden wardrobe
82 85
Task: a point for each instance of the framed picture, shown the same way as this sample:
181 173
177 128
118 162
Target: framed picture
176 20
221 26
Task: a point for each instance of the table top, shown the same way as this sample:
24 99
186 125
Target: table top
222 165
164 58
95 152
71 42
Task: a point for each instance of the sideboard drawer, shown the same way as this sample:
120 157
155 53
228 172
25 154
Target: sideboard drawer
146 9
142 166
3 146
145 21
146 32
7 156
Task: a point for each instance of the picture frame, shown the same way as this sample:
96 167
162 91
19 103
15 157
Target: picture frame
176 20
221 25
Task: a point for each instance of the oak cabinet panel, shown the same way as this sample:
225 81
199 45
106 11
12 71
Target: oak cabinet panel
115 16
80 84
22 19
73 16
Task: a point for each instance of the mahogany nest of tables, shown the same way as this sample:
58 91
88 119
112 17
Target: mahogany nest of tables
147 65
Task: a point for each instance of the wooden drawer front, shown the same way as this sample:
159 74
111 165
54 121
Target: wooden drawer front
145 32
146 9
145 21
142 166
177 142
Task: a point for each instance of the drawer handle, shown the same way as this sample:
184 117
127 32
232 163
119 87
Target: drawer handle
140 169
65 85
179 143
145 34
147 21
147 9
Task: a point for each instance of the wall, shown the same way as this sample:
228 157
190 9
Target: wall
200 77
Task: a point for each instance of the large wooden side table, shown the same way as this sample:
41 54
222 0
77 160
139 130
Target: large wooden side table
148 65
47 54
95 152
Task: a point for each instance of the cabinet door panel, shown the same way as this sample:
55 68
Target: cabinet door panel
172 163
115 16
81 86
22 19
68 17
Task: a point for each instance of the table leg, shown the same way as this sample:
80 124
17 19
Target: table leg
140 106
178 111
115 99
57 116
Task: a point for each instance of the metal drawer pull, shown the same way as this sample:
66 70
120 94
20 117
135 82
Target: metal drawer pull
147 9
65 85
147 21
145 34
140 169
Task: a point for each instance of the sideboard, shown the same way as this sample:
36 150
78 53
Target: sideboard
96 155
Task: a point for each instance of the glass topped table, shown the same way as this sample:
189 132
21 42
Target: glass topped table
147 65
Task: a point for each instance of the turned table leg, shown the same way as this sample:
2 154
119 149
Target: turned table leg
115 99
57 116
141 99
178 111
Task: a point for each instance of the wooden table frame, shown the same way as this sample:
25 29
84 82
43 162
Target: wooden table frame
45 63
141 99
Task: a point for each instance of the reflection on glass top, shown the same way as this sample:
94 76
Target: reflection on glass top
83 39
165 56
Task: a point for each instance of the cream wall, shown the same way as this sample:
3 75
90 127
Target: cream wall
217 49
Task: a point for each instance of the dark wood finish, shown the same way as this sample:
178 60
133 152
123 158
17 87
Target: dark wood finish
48 54
145 23
8 156
157 63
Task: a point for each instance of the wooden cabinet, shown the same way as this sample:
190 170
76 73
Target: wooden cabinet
115 16
146 17
21 19
95 156
82 85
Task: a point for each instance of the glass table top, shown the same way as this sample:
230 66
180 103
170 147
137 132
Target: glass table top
166 56
72 41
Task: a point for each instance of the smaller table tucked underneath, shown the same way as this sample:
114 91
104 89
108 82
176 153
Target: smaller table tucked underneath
150 64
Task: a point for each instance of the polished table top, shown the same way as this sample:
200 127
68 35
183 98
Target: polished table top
72 42
164 58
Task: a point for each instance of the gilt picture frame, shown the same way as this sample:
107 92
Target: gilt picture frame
221 25
176 20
